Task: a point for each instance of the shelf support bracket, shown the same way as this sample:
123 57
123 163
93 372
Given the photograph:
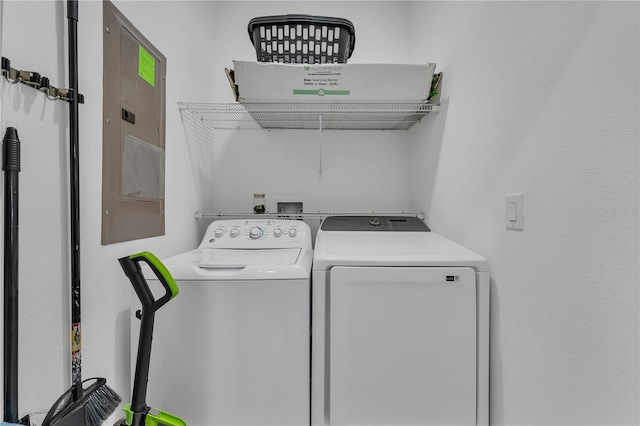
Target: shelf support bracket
320 147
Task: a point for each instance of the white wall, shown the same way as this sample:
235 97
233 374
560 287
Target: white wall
43 271
362 171
34 38
541 98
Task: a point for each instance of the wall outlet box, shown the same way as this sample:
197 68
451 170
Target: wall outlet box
290 207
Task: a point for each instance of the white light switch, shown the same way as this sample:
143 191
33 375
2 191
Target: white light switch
512 211
514 214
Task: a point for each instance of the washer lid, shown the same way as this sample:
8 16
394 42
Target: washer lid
225 258
239 264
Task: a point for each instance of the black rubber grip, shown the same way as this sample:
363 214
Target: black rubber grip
11 150
72 9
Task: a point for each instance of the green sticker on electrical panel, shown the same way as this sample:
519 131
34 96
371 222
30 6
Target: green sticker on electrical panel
146 66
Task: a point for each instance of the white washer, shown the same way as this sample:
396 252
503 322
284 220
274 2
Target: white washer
400 326
233 347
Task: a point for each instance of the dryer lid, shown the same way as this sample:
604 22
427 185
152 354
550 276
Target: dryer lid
391 249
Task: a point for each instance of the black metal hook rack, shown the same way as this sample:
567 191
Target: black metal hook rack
38 82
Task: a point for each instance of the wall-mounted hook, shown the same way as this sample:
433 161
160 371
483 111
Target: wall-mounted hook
30 78
44 85
12 75
37 81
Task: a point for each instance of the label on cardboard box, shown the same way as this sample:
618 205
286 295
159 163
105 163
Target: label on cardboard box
263 82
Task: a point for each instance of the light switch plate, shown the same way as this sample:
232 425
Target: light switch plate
514 211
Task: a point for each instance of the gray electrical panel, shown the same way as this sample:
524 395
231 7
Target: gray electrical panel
133 135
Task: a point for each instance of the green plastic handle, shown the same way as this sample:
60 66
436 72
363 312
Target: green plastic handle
155 417
159 269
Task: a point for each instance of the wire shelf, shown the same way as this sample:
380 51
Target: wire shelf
319 116
317 215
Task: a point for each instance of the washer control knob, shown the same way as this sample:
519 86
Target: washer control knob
293 232
277 232
255 233
219 232
234 232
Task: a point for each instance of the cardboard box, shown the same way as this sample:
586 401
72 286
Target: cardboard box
266 82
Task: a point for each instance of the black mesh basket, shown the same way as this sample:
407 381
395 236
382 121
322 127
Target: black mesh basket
302 39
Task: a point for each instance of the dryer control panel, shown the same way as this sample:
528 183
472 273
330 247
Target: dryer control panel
257 233
374 224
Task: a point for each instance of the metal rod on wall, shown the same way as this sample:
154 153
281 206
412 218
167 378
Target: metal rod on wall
320 147
11 167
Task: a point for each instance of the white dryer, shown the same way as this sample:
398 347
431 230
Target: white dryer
400 326
233 347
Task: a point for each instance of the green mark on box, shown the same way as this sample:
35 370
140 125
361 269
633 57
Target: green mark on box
321 92
146 66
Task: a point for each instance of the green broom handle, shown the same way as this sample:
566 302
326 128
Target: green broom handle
150 305
160 271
